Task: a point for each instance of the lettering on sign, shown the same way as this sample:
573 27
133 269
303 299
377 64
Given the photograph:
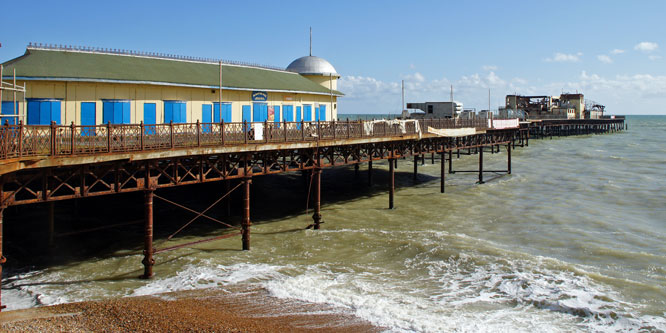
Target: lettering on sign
259 96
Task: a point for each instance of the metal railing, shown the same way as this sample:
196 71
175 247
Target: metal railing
56 140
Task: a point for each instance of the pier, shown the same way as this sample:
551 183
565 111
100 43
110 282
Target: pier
46 164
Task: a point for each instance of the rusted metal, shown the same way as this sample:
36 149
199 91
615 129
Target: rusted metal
442 172
370 173
51 221
508 158
245 223
481 166
416 167
148 249
316 216
2 258
450 160
391 181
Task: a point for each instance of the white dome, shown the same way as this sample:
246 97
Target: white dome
311 65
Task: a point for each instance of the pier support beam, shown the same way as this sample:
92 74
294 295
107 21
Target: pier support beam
316 217
481 166
451 161
391 181
356 167
443 172
227 201
508 158
148 249
245 222
370 173
2 258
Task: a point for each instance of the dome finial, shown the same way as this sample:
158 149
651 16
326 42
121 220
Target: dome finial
311 41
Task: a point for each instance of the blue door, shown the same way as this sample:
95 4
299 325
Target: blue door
9 108
206 117
223 114
88 111
322 112
175 111
316 113
149 117
288 113
43 111
307 112
259 112
247 115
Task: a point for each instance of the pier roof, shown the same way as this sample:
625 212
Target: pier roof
94 66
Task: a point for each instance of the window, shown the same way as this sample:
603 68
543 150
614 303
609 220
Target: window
429 108
175 111
115 111
43 111
9 109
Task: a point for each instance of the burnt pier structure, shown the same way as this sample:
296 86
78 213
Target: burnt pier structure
54 163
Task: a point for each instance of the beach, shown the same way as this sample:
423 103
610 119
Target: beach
208 310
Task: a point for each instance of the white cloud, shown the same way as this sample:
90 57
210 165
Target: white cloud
654 57
605 59
617 51
646 46
563 57
489 68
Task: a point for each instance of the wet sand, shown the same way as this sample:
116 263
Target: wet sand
208 310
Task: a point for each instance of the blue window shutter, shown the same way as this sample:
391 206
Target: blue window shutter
168 112
117 113
55 112
107 112
226 112
183 112
277 118
33 113
44 113
126 113
247 113
216 112
288 113
322 112
299 115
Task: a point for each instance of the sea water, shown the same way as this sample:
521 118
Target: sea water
573 240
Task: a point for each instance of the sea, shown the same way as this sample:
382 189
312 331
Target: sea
573 240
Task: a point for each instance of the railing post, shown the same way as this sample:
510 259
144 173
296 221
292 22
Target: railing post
362 128
53 139
284 127
20 139
72 139
108 136
334 128
348 130
302 130
222 130
141 137
198 133
173 141
266 131
246 130
318 130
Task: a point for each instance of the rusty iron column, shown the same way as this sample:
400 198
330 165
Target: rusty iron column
432 159
450 161
245 222
356 167
370 173
443 172
416 166
51 222
508 149
391 181
316 216
148 249
2 258
481 165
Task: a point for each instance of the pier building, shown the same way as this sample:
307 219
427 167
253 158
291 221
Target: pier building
91 86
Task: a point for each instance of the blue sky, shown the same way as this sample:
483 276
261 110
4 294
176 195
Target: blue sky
612 51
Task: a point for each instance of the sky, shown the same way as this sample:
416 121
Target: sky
614 52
